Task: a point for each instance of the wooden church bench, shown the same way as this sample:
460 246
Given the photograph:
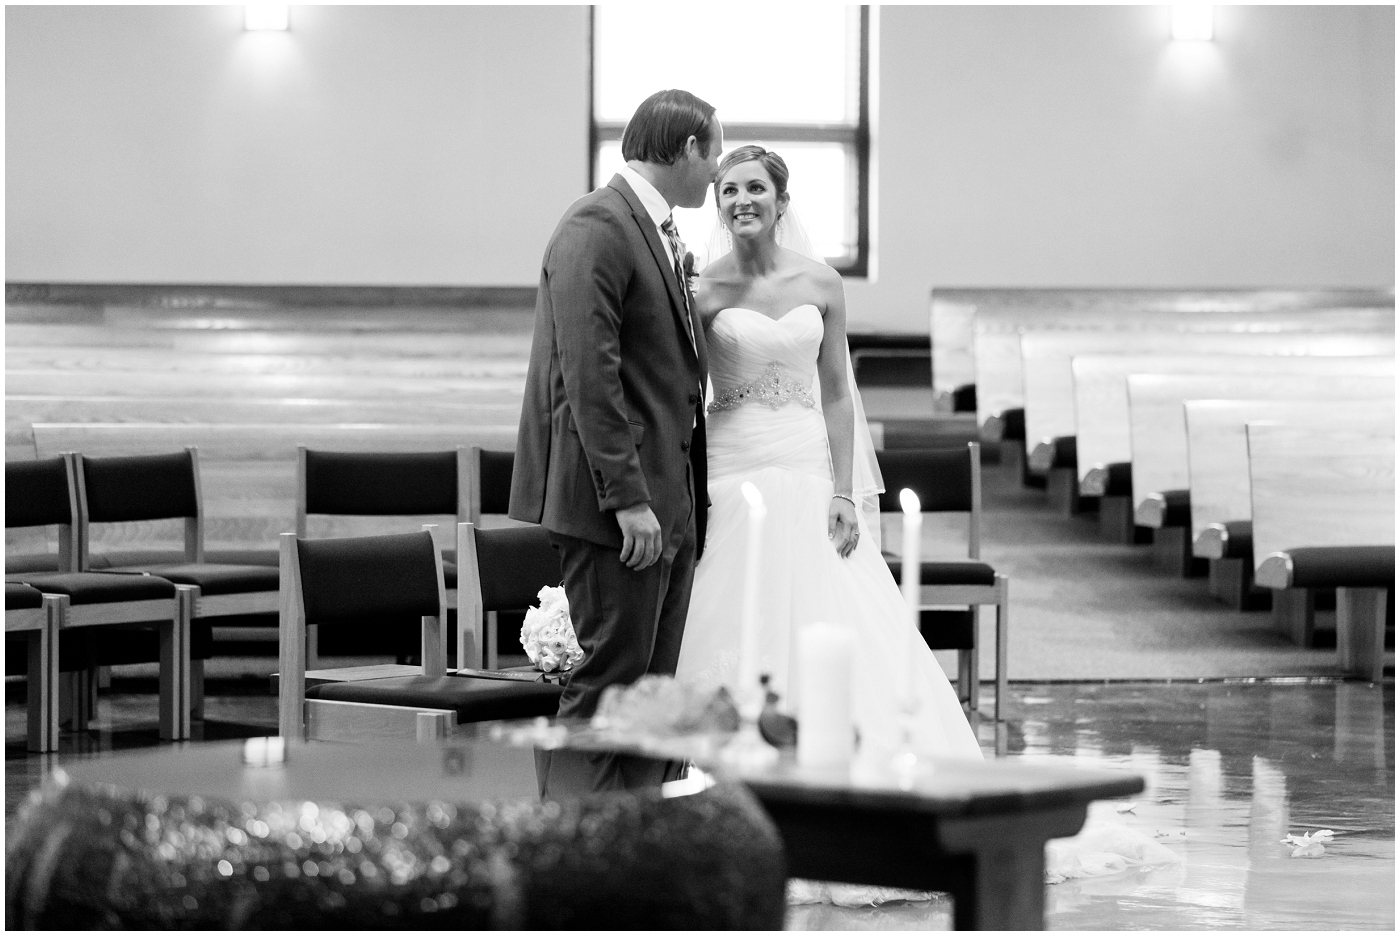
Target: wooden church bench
1219 485
1323 507
1049 378
158 360
503 390
400 339
1132 449
1121 466
1160 469
999 321
25 410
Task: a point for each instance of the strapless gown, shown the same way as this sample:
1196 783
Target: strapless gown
764 427
765 432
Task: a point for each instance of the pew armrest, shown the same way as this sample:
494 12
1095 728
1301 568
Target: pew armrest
1164 509
1276 571
1212 543
993 429
1042 458
1095 482
1114 479
1233 539
1151 511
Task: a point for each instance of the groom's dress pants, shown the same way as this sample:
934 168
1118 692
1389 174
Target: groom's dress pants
629 624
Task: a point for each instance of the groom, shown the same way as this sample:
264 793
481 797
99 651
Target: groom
610 457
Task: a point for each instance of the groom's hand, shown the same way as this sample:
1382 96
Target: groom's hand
641 536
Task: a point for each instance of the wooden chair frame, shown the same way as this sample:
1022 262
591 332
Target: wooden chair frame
301 718
40 627
465 480
472 488
174 615
202 606
973 596
59 614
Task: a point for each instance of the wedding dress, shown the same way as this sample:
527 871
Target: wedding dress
765 426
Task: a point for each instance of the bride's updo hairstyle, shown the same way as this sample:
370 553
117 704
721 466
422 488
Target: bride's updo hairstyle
772 164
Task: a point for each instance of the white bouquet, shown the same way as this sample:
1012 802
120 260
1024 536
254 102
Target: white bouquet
548 635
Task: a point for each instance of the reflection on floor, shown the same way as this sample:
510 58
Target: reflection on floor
1231 768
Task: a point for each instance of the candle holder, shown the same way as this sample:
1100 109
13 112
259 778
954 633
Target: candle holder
747 750
907 765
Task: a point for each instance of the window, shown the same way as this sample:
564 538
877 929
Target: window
792 78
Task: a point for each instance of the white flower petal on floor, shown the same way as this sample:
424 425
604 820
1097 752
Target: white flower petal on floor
1309 844
1103 849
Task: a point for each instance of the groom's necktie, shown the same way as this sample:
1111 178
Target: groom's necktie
668 227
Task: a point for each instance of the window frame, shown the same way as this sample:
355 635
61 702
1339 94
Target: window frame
856 137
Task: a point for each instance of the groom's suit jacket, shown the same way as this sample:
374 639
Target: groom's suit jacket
613 413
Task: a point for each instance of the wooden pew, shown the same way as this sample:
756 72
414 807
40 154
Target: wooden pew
1049 378
21 411
1000 320
1319 491
364 363
1218 479
215 386
951 338
248 472
402 340
1130 447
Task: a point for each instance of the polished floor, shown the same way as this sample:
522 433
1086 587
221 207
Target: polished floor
1231 768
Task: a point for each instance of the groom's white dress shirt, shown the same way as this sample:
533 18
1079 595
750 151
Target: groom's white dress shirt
658 211
653 202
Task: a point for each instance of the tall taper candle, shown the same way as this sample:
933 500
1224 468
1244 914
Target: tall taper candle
909 559
748 638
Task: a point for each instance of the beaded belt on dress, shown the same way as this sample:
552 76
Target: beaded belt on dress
773 388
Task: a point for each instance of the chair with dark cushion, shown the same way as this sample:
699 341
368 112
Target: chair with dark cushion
351 583
382 484
488 482
131 488
950 481
611 861
95 612
40 494
115 605
488 495
501 570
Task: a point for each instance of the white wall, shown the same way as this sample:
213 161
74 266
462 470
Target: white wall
1077 146
1017 146
368 145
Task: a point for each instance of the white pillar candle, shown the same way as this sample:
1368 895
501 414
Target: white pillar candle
825 718
748 638
910 562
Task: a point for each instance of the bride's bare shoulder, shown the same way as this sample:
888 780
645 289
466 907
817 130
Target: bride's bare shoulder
811 278
803 267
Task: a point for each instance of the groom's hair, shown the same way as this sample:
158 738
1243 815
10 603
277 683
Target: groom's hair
663 122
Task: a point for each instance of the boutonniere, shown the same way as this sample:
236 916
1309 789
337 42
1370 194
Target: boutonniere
688 268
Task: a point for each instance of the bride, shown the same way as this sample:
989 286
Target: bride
785 417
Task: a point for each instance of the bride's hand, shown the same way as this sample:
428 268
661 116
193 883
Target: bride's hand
841 526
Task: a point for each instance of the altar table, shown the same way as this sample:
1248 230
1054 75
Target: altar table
975 830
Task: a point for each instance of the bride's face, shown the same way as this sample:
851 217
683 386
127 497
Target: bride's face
749 204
